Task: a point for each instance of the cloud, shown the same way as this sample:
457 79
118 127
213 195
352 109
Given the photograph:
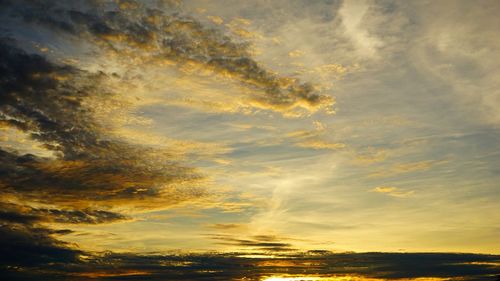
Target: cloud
352 13
93 175
460 39
258 243
392 191
90 178
403 168
149 36
321 144
26 243
313 138
47 101
89 172
295 53
234 266
96 175
216 19
226 226
15 213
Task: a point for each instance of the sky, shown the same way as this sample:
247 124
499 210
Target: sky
187 139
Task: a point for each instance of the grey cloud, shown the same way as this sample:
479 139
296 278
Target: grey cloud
266 243
233 266
30 245
45 100
15 213
153 34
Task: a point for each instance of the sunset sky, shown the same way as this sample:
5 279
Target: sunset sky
209 132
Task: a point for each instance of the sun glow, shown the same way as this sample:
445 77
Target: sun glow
339 278
318 278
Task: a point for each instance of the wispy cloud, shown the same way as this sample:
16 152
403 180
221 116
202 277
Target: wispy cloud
392 191
256 243
352 13
403 168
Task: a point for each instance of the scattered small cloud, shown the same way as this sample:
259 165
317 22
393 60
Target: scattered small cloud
226 226
392 191
321 144
296 53
216 19
258 243
403 168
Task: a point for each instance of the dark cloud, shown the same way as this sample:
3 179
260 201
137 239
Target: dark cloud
46 101
385 266
376 265
120 179
30 251
26 215
89 174
30 245
149 34
265 243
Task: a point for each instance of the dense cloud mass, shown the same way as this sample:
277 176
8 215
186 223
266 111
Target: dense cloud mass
26 215
265 243
45 100
89 173
378 266
142 33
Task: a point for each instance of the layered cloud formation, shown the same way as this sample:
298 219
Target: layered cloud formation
369 266
90 174
91 92
144 34
46 101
